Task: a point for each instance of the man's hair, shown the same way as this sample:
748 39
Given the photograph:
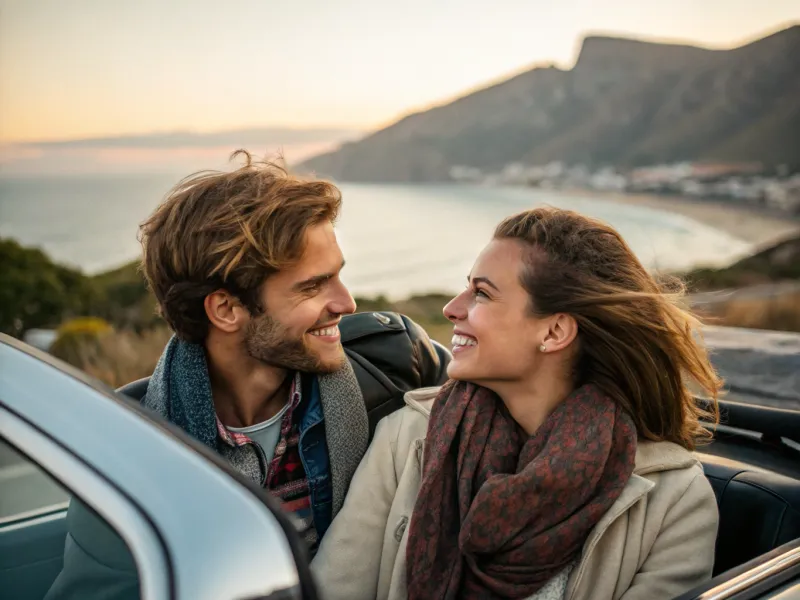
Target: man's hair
228 230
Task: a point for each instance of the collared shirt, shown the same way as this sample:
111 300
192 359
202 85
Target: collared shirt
285 476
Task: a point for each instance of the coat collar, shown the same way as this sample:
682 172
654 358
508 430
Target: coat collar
421 400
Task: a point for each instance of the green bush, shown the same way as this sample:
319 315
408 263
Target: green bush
36 292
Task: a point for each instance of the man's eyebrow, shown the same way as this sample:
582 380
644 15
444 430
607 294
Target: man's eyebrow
315 280
485 280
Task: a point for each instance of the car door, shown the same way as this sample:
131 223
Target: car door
172 520
38 485
774 575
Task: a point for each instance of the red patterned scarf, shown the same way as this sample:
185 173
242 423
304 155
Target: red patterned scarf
499 512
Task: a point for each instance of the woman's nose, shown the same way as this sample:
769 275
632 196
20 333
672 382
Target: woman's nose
456 309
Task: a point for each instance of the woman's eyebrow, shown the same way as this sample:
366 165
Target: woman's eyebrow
485 280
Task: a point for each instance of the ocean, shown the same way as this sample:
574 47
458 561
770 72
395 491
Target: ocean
398 239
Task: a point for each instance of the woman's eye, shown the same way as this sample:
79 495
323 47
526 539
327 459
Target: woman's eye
478 293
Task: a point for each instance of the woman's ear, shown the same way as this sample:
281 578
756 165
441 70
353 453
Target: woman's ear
225 312
562 331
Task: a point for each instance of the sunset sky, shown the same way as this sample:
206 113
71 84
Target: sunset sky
91 68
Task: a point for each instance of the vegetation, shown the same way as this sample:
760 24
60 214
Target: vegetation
77 335
776 263
36 292
121 356
107 324
781 313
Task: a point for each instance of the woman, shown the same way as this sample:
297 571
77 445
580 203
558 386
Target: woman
556 462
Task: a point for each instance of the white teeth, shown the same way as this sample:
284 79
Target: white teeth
327 332
462 340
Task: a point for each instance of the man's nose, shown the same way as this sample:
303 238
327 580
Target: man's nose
343 302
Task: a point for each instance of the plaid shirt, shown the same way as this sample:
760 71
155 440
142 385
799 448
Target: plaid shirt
285 476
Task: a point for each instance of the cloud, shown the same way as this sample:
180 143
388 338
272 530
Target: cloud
182 139
165 152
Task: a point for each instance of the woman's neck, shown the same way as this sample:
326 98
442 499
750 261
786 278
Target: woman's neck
531 402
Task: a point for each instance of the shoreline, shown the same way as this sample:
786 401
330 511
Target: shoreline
747 224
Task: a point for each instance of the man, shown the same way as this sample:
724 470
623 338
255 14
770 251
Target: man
245 267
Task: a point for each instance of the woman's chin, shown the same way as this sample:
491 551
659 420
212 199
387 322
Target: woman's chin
458 368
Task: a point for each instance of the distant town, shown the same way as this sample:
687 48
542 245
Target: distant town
776 189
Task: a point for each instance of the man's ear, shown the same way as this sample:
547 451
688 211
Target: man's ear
562 331
225 311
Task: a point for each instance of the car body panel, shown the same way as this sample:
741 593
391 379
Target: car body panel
163 482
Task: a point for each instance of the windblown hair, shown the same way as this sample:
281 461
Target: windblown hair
636 342
228 230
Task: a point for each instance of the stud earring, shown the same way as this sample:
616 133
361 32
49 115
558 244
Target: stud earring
542 348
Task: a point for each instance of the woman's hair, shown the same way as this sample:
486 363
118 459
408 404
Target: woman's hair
636 343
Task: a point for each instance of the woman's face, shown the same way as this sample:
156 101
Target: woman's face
496 338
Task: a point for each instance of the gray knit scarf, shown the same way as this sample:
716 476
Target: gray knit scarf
180 391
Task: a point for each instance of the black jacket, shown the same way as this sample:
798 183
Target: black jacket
391 355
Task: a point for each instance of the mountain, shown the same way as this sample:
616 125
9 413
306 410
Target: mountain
625 102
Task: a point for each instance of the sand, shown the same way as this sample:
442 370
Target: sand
748 224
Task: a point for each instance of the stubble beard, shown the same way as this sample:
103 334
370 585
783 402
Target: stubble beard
270 342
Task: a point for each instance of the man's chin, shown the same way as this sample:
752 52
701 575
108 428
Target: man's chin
331 363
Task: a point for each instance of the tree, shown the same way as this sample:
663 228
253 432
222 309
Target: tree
36 292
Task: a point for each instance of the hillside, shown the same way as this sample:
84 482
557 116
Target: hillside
776 263
625 102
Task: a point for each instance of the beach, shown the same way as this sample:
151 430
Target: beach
748 224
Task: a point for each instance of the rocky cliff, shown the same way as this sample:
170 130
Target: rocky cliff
625 102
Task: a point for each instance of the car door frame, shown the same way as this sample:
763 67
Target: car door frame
755 578
97 432
118 510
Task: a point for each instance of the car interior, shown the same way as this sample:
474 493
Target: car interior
752 464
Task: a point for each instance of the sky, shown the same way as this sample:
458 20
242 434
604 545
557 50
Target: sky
107 68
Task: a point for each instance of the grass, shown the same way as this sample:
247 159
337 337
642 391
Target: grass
780 313
119 357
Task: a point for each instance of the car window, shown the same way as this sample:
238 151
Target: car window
38 535
25 489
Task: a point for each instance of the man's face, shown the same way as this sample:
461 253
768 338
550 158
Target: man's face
298 329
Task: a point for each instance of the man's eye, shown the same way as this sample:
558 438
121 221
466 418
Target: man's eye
478 293
316 286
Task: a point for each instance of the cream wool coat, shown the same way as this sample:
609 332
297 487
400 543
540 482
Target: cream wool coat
655 542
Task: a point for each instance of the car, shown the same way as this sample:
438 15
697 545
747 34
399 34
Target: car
63 435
